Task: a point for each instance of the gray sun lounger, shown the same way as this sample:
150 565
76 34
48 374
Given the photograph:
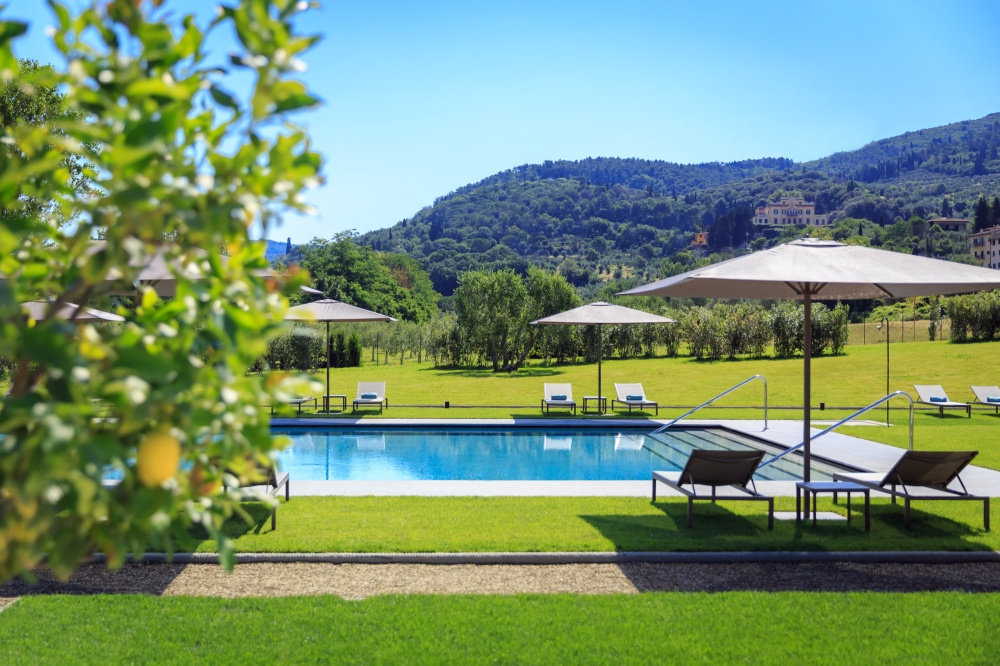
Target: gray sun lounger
715 469
988 395
564 393
932 470
936 397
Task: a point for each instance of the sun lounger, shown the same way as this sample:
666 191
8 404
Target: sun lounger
273 482
988 395
298 402
558 395
932 470
936 397
715 469
371 394
632 395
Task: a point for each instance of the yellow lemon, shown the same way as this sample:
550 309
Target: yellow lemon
158 459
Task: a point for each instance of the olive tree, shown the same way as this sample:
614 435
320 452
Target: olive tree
184 162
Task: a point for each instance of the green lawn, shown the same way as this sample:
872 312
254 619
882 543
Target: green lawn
547 524
855 378
733 627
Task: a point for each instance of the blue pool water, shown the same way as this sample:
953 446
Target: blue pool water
514 454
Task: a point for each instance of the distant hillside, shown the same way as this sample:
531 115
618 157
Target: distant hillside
275 249
965 149
603 218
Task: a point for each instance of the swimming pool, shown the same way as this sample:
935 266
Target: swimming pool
513 454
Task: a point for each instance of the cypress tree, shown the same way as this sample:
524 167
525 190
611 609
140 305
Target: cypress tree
288 246
945 208
982 218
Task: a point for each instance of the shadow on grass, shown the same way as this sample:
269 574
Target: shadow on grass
135 578
483 373
718 527
947 415
813 577
236 527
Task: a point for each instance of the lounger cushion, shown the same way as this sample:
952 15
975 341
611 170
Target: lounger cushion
561 396
369 396
633 397
935 398
992 398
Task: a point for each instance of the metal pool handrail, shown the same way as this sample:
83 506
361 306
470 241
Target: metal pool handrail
841 422
726 392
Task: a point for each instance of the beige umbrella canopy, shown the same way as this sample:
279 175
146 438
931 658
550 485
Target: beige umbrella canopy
37 310
598 314
328 310
810 269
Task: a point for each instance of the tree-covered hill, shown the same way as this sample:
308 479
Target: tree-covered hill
600 219
968 148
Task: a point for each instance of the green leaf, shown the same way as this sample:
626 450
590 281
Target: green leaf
11 29
223 98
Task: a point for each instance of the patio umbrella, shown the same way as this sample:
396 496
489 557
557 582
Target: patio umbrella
37 309
598 314
810 269
330 310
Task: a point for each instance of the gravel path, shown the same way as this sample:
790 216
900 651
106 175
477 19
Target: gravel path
358 581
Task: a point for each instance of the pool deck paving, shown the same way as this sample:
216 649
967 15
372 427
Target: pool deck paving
835 447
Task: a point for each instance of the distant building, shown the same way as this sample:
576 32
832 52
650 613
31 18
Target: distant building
700 240
985 246
790 210
950 223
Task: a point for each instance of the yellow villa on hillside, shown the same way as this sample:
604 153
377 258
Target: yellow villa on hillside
790 210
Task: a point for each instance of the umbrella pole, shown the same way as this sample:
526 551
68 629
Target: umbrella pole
807 397
326 397
599 346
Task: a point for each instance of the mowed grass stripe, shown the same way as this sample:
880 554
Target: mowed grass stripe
733 627
594 524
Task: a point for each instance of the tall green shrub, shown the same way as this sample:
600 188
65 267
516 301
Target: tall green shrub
786 327
354 350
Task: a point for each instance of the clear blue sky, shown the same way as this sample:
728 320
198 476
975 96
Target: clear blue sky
424 97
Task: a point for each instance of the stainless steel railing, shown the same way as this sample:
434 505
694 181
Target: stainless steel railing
895 394
724 393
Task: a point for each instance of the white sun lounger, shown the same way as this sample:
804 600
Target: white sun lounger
633 395
988 395
375 392
565 394
298 402
936 397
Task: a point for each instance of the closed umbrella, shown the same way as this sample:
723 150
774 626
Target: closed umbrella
37 310
811 269
330 310
598 314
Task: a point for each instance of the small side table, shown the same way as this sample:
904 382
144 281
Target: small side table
602 403
326 402
835 487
